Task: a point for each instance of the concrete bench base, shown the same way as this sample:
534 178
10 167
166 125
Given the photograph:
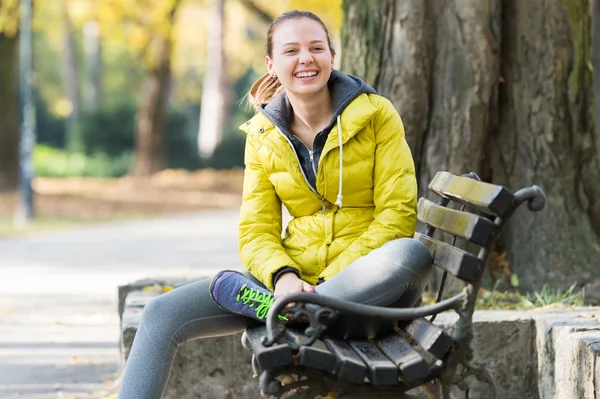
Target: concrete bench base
545 353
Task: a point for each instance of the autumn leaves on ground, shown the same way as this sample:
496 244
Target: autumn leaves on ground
64 202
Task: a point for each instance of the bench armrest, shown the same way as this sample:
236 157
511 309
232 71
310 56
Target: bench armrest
275 328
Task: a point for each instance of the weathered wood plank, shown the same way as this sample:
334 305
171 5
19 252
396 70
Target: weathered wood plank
454 260
411 365
486 197
317 356
463 224
381 370
271 357
430 337
349 366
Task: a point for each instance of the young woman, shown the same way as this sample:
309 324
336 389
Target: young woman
331 151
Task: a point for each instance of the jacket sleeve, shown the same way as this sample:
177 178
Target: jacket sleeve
394 191
260 223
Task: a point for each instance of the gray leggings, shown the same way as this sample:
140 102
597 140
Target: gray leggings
393 275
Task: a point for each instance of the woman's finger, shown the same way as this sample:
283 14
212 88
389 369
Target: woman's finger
308 288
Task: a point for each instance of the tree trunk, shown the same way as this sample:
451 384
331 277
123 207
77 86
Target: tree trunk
9 122
215 90
546 137
149 156
70 82
93 63
480 89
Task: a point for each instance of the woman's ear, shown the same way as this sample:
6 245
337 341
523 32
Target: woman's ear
269 63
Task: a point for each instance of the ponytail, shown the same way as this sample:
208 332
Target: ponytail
263 90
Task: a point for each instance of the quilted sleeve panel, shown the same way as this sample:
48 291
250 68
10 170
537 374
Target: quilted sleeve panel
260 223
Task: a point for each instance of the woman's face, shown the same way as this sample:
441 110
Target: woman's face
302 59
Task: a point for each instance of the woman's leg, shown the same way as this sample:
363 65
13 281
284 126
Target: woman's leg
392 275
169 320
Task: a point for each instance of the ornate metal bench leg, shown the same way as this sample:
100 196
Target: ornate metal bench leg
246 341
269 385
255 367
483 375
431 389
445 391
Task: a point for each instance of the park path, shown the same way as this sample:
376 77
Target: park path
59 326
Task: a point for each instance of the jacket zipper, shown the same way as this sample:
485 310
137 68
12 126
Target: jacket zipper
302 171
312 163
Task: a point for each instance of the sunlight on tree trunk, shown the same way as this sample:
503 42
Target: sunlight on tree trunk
9 122
215 89
70 82
501 89
93 64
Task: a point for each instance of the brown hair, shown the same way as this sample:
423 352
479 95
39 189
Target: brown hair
267 86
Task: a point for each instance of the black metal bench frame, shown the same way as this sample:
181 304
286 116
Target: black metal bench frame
304 364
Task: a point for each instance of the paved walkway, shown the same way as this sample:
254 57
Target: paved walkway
58 296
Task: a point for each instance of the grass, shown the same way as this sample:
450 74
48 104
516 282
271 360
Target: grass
513 300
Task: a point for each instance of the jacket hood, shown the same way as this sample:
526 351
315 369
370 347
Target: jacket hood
343 88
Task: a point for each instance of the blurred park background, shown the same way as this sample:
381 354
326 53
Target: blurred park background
138 103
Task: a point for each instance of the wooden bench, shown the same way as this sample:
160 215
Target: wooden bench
307 359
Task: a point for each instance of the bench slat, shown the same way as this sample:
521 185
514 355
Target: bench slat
486 197
431 338
463 224
454 260
381 370
317 356
271 357
411 364
349 366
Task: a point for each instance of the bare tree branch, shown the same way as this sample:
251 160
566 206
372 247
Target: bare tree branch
262 14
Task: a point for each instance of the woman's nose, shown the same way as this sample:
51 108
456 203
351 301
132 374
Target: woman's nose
306 57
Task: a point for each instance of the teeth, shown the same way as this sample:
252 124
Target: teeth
305 74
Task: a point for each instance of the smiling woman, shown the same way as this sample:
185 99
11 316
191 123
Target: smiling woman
333 152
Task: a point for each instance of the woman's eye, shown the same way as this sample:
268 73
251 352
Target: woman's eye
317 48
290 51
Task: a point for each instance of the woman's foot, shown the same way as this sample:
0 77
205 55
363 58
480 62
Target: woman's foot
236 293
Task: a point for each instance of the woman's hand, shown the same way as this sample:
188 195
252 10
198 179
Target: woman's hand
290 283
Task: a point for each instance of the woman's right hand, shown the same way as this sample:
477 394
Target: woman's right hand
290 283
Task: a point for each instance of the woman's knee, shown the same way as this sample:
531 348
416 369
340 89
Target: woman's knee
160 314
410 253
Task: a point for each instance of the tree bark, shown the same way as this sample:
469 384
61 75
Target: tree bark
149 155
501 88
9 122
546 137
215 88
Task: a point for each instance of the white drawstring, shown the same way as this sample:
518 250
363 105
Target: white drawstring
338 202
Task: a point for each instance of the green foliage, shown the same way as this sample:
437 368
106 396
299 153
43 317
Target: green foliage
53 162
229 153
549 297
110 131
495 299
108 142
50 129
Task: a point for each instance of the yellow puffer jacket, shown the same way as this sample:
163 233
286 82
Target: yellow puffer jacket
378 187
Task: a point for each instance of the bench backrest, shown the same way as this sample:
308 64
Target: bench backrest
484 210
